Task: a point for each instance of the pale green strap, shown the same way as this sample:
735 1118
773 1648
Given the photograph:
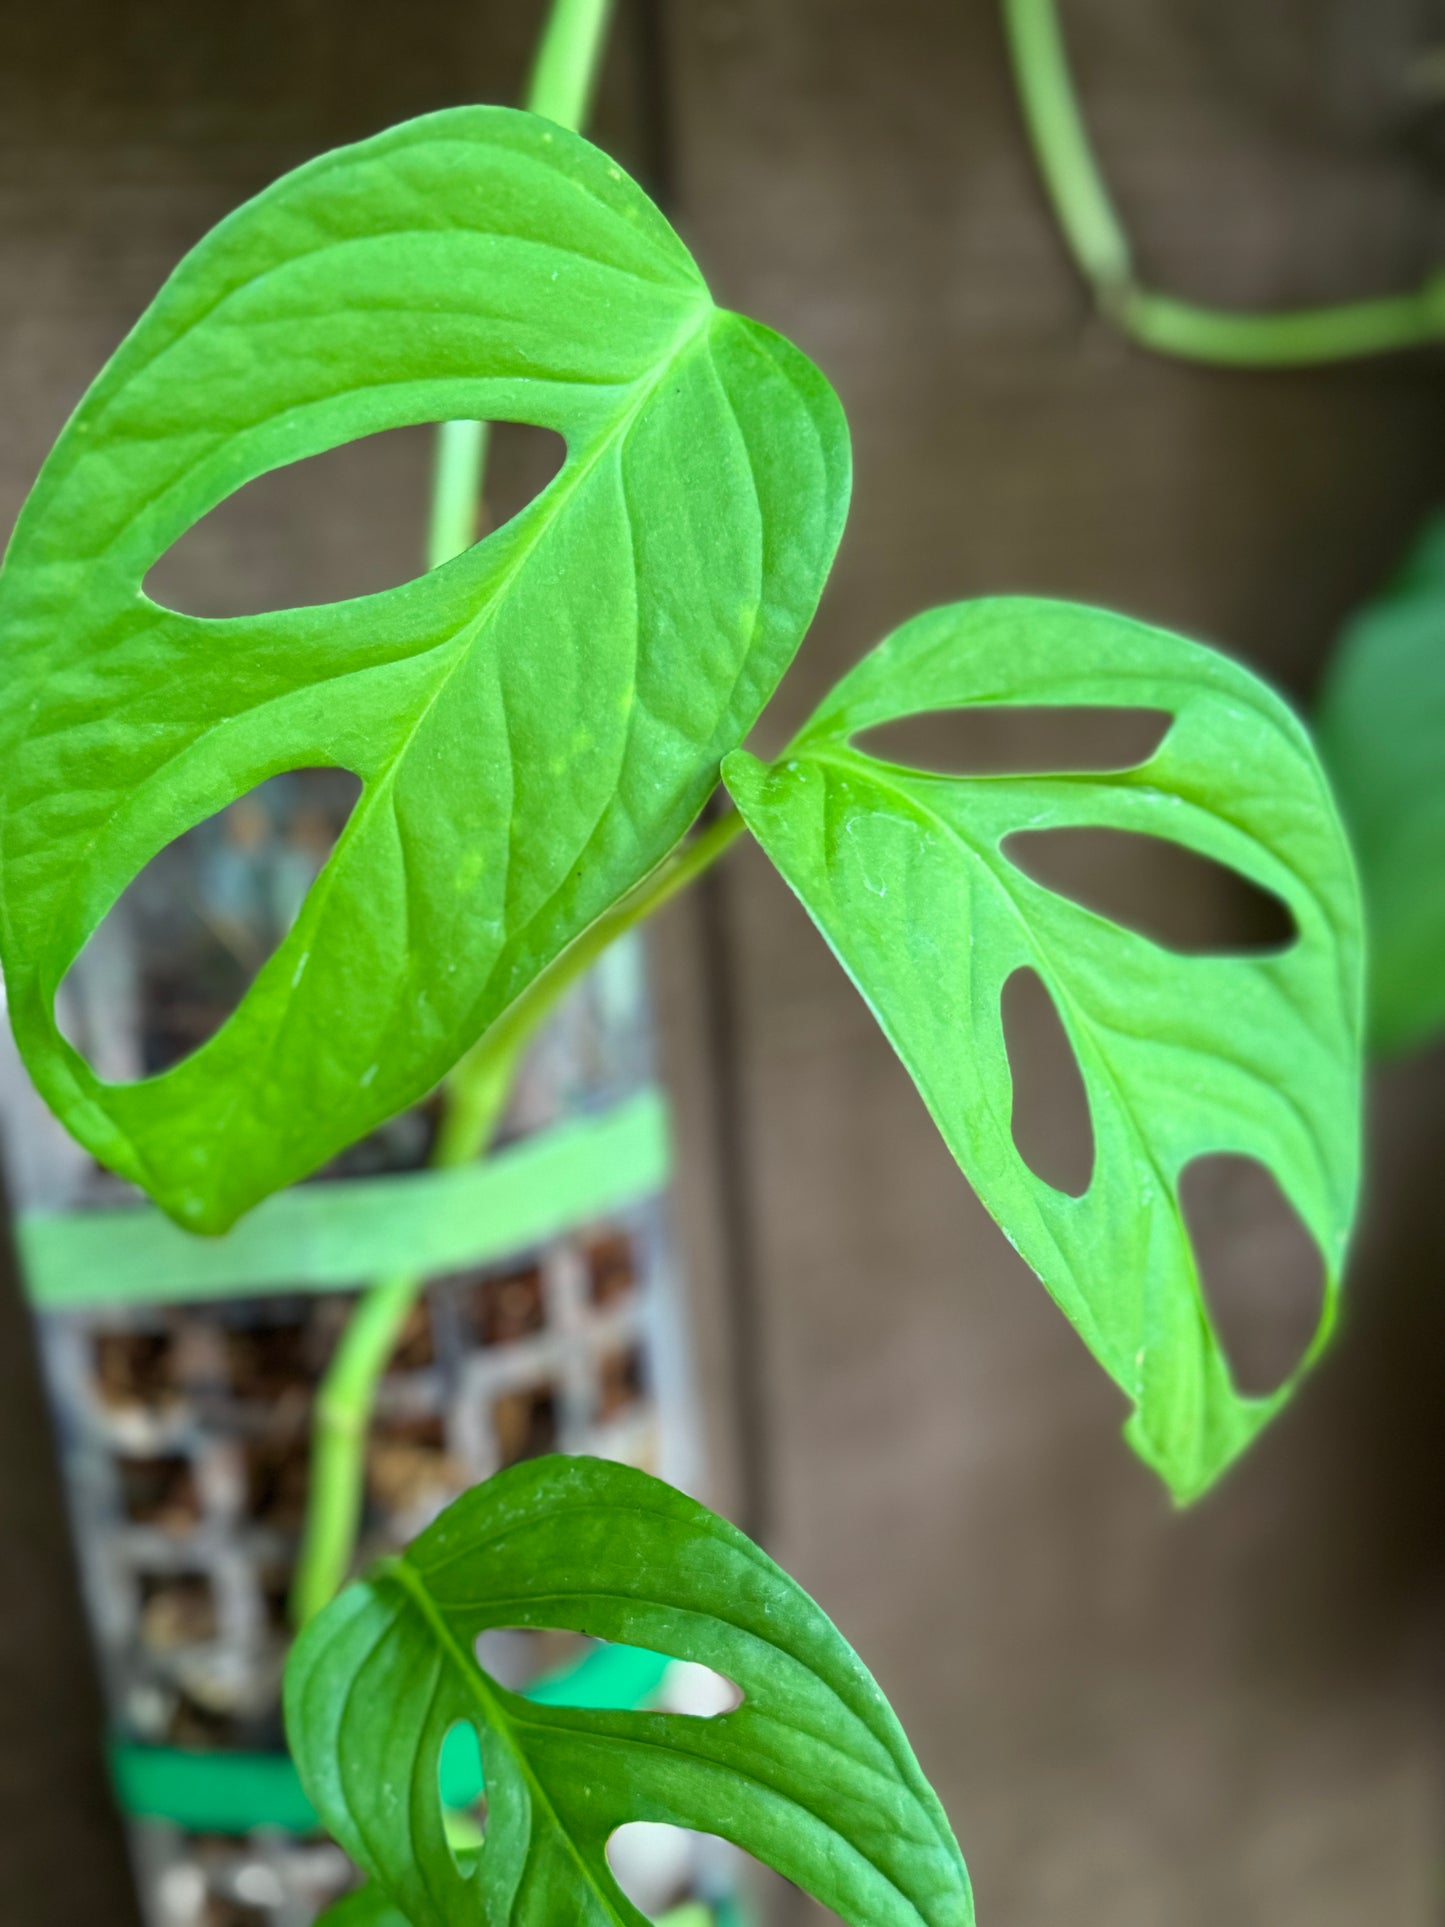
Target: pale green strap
336 1234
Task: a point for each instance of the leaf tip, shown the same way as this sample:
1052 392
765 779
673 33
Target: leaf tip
741 771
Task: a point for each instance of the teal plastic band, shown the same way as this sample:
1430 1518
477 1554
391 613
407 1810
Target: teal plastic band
338 1234
238 1792
610 1678
210 1792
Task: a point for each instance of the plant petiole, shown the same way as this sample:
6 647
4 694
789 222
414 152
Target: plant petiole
1096 238
476 1096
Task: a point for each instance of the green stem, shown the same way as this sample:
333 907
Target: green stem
461 466
347 1394
564 73
476 1095
563 78
1100 247
1293 339
683 865
338 1444
1061 145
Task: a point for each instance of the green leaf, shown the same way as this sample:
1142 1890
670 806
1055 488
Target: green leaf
534 723
811 1773
905 875
1382 737
367 1907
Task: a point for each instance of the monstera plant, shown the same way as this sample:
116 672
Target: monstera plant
537 724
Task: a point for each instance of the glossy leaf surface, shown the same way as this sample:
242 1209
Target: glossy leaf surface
906 875
1382 737
811 1773
369 1907
534 723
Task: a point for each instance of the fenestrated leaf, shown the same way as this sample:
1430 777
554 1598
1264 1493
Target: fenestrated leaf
811 1773
905 875
534 724
367 1907
1382 737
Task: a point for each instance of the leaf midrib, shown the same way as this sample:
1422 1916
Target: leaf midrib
498 1719
734 1769
854 764
997 866
376 793
479 1686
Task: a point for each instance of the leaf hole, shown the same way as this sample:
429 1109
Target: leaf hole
1156 887
1011 739
518 1656
1262 1273
671 1873
1052 1129
698 1692
185 940
348 522
557 1667
460 1787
